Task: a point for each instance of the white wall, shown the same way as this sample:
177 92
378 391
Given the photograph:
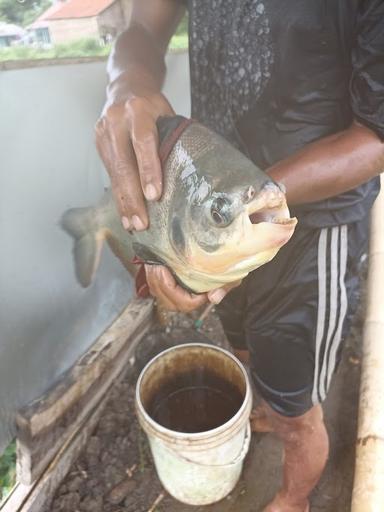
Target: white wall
66 30
48 163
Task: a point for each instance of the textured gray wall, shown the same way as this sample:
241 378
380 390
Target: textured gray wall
48 163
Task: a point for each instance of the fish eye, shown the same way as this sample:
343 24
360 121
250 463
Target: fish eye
220 212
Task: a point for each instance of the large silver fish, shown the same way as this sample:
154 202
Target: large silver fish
219 217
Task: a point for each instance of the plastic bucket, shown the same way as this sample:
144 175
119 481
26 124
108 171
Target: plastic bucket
196 467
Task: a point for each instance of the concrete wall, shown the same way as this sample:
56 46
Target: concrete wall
63 31
49 164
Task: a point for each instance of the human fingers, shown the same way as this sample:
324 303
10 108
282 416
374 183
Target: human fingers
145 142
113 141
217 295
163 285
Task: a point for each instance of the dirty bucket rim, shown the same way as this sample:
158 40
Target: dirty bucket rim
191 436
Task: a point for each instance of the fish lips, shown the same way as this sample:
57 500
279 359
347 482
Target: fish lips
277 226
270 207
266 225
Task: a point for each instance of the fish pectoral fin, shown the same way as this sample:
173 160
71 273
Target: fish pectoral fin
87 253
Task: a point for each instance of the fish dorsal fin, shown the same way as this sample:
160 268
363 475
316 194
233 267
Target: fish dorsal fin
170 128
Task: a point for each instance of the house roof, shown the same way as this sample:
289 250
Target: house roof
41 21
8 29
79 9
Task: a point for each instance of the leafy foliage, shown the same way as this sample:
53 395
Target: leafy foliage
7 470
179 42
22 12
182 29
88 47
180 39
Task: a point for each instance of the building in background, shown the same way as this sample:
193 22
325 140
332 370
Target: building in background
69 20
10 34
39 29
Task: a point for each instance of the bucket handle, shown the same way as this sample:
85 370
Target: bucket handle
240 457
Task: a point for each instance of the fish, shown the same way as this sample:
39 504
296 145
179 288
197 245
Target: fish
219 217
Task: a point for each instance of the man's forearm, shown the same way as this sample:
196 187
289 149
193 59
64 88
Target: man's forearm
136 65
331 165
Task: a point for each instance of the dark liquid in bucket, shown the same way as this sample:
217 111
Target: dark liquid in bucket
195 402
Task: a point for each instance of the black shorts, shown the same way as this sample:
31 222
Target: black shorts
294 312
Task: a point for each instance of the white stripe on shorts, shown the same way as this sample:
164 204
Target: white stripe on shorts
343 305
322 290
333 295
329 329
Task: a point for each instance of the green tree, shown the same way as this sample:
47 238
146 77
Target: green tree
22 12
7 470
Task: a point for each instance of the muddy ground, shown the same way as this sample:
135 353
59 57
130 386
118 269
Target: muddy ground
115 472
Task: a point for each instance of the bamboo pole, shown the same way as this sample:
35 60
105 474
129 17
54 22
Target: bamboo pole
368 490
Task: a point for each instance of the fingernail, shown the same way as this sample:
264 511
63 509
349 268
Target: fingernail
125 222
138 223
217 296
150 192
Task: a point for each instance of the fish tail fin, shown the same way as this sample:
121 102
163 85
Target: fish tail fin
81 225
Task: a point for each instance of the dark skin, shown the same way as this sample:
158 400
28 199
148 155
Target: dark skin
331 166
127 141
126 134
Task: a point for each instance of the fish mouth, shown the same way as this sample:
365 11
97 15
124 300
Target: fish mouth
258 233
270 206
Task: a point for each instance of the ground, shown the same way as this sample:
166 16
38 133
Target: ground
115 472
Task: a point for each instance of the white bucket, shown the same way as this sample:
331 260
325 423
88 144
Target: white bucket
203 467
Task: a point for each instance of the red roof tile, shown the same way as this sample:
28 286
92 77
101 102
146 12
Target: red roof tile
79 9
41 20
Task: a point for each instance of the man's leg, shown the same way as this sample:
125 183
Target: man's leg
305 441
296 314
306 446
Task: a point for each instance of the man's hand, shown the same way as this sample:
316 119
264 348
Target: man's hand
173 297
127 141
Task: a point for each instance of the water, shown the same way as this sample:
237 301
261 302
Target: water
195 402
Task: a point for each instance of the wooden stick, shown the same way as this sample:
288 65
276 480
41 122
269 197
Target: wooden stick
157 501
368 490
162 314
37 496
199 322
131 470
44 426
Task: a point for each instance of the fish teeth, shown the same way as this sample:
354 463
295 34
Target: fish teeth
274 199
283 220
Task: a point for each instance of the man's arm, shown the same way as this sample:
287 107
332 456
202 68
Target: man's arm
126 134
136 64
342 161
338 163
331 166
